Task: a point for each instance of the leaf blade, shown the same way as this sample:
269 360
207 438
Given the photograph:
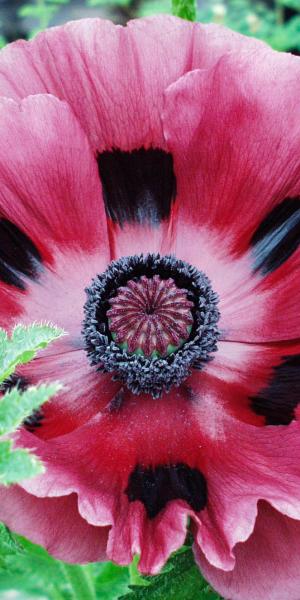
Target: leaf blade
186 9
23 345
181 578
15 406
16 465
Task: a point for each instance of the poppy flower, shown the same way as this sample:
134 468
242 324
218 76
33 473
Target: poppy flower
149 203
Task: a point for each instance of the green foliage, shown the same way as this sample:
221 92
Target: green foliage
150 7
41 11
16 465
23 345
35 573
186 9
111 581
30 570
15 406
181 578
294 4
256 19
107 3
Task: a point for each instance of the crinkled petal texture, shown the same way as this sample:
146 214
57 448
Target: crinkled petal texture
164 136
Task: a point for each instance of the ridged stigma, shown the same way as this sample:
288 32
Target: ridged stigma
150 316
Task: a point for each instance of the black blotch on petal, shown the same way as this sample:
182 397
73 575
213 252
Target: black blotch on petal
19 256
157 486
278 236
138 186
15 380
277 402
34 420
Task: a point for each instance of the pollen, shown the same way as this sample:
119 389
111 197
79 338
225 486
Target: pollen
150 316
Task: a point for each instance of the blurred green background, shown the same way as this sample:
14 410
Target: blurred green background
276 21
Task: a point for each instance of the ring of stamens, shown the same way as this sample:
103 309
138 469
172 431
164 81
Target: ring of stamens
149 320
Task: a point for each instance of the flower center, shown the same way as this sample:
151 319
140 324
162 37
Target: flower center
149 320
150 316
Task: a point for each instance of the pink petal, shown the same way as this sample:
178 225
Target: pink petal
277 298
257 383
154 540
267 564
11 308
229 155
133 239
54 523
60 294
106 450
242 309
86 392
114 77
234 134
242 471
51 191
187 427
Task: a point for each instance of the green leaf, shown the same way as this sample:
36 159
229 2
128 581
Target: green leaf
29 569
111 580
8 543
186 9
15 406
181 578
23 345
16 465
3 41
